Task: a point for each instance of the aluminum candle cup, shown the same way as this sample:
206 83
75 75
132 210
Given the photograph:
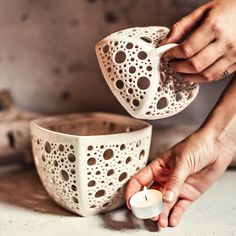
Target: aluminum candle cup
146 206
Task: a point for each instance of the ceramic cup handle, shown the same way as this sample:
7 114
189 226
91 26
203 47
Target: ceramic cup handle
158 52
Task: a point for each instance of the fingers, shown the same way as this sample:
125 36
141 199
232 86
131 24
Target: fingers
163 217
191 46
177 212
213 73
201 61
180 28
174 185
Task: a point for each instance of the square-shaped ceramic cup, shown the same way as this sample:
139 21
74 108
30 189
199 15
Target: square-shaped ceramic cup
144 84
85 160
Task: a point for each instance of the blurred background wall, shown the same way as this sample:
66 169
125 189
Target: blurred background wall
47 57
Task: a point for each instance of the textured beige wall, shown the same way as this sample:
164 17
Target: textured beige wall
47 56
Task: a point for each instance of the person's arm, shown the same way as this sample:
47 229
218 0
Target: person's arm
207 42
188 169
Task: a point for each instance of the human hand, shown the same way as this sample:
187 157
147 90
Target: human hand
183 173
210 49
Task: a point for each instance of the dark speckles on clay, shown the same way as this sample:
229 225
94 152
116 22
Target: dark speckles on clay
110 17
24 17
65 95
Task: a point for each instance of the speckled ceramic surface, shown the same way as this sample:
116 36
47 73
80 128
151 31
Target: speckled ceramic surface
85 160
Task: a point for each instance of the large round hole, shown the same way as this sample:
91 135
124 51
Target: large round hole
105 49
162 103
91 161
122 176
120 57
119 84
135 102
130 90
47 147
91 183
146 39
110 172
100 193
141 155
64 175
143 83
71 157
132 69
108 154
142 55
129 45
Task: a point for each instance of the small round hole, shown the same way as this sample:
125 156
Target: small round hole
105 49
128 160
119 84
122 147
136 102
110 172
61 148
142 55
71 157
146 39
129 45
122 176
132 69
64 175
91 183
47 147
141 155
91 161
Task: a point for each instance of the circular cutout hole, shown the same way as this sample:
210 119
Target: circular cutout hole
149 68
71 157
116 43
61 148
146 39
108 154
100 193
91 183
128 160
105 205
64 175
43 158
162 103
105 49
130 91
178 97
129 45
110 172
136 102
120 57
91 161
132 69
98 172
73 187
93 206
90 147
190 96
122 147
119 84
142 55
72 171
55 163
143 83
141 155
47 147
122 176
75 200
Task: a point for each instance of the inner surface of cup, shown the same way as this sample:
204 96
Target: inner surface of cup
91 124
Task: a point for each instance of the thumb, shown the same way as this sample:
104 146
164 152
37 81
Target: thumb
173 187
180 28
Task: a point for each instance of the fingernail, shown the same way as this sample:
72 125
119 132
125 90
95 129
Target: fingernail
169 196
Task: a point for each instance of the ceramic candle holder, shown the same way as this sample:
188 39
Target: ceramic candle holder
85 160
145 85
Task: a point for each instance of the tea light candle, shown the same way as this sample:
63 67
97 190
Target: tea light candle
147 203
